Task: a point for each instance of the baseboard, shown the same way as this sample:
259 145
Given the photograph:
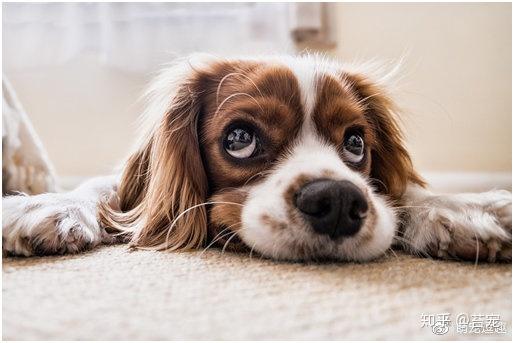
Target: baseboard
453 182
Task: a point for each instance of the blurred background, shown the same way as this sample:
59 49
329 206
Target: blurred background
79 69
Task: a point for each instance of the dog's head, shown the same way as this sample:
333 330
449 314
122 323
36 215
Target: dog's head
292 157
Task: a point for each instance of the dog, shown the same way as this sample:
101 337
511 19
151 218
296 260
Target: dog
296 158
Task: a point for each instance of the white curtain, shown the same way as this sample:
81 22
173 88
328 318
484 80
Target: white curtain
140 36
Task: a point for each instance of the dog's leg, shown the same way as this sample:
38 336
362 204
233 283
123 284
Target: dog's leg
474 226
56 223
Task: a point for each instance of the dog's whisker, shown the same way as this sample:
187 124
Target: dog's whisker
172 225
234 95
253 176
414 249
251 250
364 100
478 249
392 251
220 235
228 240
218 89
381 182
253 83
408 206
234 74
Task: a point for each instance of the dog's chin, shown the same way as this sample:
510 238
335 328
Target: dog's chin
301 243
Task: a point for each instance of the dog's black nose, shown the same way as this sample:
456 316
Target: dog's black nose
334 208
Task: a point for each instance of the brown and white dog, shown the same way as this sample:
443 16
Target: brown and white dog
295 158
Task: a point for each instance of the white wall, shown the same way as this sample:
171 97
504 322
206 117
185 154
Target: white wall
85 113
456 89
456 80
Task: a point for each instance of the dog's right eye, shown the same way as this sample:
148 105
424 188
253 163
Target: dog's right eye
354 147
241 143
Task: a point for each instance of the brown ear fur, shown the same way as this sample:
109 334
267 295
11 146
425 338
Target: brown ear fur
391 164
164 183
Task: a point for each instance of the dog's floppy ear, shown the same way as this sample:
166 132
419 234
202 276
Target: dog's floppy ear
391 165
164 184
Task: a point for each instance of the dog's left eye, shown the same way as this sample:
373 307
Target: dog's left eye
354 148
241 143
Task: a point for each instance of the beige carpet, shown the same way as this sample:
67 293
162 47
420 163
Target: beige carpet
113 294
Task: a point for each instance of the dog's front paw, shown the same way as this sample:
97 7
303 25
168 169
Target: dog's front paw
499 204
465 226
49 224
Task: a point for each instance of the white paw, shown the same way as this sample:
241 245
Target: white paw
49 224
499 204
465 226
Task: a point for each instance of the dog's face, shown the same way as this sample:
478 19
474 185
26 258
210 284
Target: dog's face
292 158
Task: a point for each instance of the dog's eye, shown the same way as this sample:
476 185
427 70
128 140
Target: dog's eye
241 143
353 147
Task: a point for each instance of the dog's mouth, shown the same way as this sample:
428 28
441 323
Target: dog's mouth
304 245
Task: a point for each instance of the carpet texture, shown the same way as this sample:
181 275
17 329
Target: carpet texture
111 294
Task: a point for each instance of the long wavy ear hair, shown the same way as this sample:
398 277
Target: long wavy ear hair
164 185
391 165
